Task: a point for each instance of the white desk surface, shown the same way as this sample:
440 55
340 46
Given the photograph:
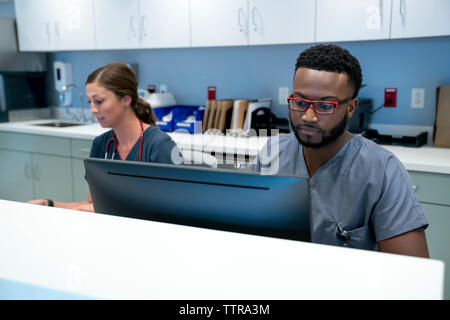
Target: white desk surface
110 257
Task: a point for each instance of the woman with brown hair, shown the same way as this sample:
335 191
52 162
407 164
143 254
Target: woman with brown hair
112 94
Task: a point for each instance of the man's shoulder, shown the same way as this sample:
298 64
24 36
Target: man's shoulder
371 155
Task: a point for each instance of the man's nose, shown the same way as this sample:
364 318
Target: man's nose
310 114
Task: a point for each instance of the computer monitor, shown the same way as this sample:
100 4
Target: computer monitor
221 199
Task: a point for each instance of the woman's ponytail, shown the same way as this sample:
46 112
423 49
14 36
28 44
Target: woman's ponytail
144 111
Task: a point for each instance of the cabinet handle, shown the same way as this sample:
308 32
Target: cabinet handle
57 31
402 7
415 188
381 13
255 26
85 150
47 29
133 32
241 29
27 171
142 32
36 172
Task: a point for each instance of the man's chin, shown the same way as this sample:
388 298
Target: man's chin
310 144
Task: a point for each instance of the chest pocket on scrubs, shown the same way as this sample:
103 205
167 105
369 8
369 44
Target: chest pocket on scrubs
332 233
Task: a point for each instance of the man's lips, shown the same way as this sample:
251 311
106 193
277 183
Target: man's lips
308 130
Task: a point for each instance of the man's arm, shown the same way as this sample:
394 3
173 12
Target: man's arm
412 243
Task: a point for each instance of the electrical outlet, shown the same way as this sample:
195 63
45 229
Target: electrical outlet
283 94
417 98
163 88
390 97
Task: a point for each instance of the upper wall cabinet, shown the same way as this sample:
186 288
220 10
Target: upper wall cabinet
418 18
165 24
352 20
49 25
117 24
243 22
128 24
282 21
219 22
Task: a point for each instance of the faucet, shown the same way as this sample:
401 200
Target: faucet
82 117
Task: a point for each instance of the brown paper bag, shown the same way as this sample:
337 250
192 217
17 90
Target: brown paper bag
206 115
442 122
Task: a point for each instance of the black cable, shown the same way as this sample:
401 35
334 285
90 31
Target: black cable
376 109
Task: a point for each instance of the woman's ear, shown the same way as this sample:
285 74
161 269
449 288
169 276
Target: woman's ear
126 100
351 107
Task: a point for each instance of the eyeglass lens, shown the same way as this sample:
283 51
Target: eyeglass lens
302 105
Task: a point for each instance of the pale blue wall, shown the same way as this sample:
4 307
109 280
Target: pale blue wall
258 71
7 9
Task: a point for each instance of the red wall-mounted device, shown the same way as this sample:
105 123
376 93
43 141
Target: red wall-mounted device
211 93
390 97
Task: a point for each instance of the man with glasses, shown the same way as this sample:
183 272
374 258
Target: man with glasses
361 195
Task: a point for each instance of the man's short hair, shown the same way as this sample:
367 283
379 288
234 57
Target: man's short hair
332 58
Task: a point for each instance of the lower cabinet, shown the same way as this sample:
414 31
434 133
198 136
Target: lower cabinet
432 190
27 176
16 177
80 150
52 177
42 167
438 238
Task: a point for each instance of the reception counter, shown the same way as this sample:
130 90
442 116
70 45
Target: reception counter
74 254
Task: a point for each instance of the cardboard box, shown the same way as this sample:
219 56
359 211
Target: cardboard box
442 122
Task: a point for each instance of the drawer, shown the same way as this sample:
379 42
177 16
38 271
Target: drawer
80 148
35 143
431 187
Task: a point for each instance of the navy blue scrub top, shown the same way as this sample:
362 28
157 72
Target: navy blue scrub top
157 147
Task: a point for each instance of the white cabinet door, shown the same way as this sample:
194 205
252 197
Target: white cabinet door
219 22
283 21
351 20
418 18
116 24
438 238
74 25
164 24
52 177
34 25
16 182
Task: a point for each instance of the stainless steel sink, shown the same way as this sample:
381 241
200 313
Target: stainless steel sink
59 124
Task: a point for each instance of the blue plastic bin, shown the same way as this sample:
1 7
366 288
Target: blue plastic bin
183 113
179 114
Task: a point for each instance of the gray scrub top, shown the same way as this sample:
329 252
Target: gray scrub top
363 190
157 146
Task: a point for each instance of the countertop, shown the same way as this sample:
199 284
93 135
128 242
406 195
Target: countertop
425 158
109 257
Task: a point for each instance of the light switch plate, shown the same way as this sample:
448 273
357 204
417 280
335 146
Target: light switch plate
283 94
418 98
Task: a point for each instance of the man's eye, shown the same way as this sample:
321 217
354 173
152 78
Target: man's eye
301 103
325 106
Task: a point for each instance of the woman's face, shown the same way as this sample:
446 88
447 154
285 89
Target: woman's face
105 105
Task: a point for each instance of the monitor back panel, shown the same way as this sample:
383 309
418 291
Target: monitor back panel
275 206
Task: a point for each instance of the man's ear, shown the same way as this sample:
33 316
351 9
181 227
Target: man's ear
351 107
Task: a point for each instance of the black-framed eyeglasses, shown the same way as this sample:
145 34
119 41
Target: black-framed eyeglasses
321 107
